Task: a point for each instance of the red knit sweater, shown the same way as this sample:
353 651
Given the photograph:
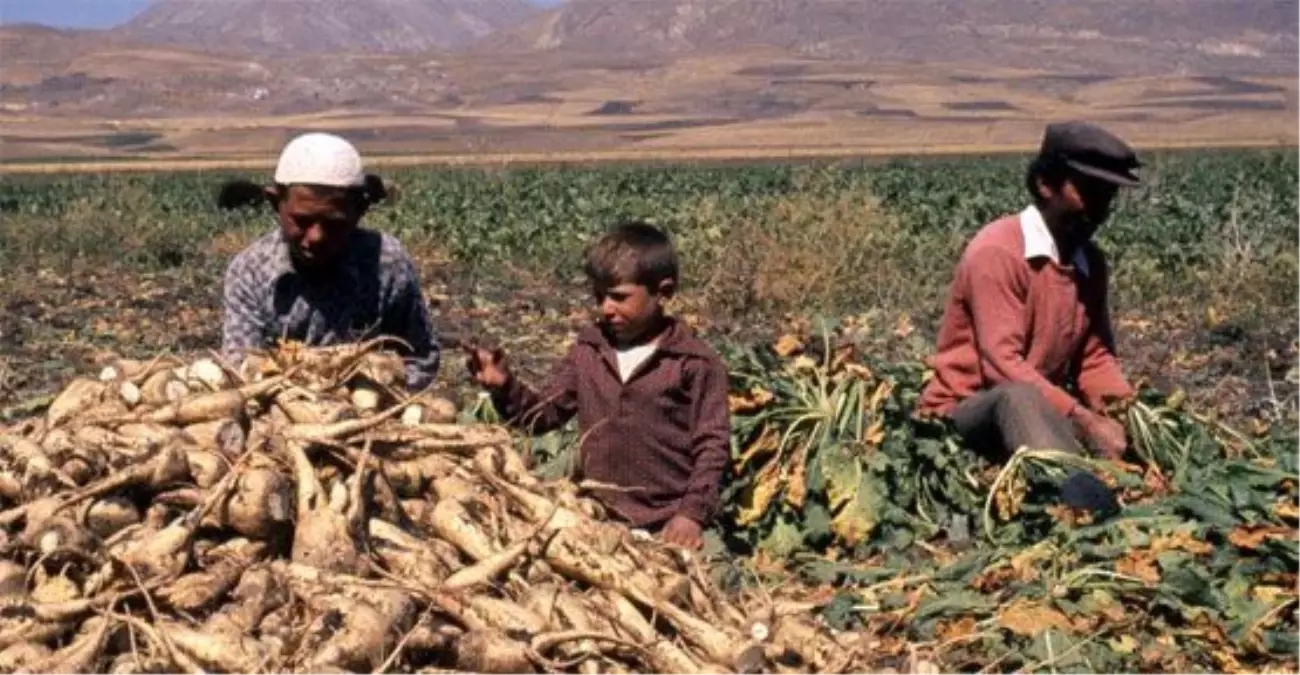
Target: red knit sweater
1015 318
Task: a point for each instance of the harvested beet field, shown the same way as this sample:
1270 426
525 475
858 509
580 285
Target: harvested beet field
162 513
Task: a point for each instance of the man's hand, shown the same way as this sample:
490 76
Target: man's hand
1104 435
487 367
684 532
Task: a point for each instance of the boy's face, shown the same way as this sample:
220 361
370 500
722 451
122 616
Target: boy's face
629 311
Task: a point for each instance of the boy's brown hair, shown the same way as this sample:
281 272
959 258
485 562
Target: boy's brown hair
633 252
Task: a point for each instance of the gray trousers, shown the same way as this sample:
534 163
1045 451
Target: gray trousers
1000 420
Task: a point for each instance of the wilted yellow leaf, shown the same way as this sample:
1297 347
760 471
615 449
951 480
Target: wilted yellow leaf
1062 514
802 362
1106 604
1227 662
851 527
1259 427
858 370
1251 537
767 441
1270 594
750 401
957 629
1030 618
1287 510
759 496
882 392
1180 541
787 345
993 579
797 484
1125 644
1139 564
1009 498
1024 564
875 434
857 520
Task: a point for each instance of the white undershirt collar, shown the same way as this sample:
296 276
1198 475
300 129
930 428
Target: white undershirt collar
631 358
1039 242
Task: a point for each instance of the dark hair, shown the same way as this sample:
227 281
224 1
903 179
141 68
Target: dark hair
1050 169
239 194
242 193
632 252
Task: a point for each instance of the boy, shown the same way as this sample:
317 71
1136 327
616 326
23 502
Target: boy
1028 310
651 398
320 278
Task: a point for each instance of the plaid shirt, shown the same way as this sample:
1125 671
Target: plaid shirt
375 291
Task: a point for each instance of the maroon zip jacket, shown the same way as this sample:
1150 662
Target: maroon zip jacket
666 434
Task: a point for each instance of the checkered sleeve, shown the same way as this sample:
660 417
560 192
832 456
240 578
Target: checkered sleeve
243 320
409 318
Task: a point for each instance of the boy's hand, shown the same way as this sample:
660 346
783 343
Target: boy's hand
487 366
684 532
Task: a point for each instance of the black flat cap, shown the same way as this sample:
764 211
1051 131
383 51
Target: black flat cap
1092 151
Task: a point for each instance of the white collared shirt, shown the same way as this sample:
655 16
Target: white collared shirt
1039 242
631 358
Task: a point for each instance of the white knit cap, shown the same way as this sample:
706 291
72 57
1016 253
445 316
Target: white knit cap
320 159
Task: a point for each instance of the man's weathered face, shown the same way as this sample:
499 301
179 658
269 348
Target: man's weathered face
1082 202
316 224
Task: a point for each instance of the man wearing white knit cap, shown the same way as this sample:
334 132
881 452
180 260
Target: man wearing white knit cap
320 278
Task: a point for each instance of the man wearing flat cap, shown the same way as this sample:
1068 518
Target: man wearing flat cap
320 278
1026 356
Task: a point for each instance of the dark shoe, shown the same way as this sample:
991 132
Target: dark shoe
1086 492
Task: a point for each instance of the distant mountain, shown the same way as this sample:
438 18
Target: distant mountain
1114 36
323 26
26 46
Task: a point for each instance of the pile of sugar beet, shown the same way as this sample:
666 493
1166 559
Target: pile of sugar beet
303 513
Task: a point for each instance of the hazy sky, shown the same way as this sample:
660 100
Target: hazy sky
85 13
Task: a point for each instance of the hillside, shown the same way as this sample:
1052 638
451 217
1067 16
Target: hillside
32 52
318 26
1121 37
654 76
